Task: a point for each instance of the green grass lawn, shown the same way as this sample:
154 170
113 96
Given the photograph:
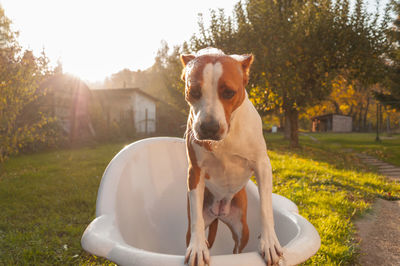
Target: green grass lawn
388 149
46 202
48 199
331 186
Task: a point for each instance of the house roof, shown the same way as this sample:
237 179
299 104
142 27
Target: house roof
123 91
328 115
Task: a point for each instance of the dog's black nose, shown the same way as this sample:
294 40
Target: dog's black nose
209 129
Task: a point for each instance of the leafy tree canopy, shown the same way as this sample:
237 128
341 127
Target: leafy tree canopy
20 75
300 47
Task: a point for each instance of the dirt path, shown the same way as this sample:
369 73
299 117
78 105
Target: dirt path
380 234
379 230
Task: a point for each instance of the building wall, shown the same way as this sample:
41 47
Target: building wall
129 108
341 123
143 105
119 108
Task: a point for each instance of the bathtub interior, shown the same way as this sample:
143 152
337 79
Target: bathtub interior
150 202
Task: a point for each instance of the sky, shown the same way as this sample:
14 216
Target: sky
95 38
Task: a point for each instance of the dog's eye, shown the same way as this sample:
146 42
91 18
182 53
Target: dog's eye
195 94
228 94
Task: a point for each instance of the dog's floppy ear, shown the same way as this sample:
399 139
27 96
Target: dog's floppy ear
246 60
186 58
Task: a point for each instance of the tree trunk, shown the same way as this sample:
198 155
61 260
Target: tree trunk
286 134
360 118
353 118
377 122
292 116
388 124
337 108
350 113
380 118
281 121
365 115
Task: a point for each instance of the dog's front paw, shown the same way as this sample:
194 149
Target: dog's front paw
197 253
270 249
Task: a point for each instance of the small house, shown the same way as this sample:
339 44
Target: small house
332 123
128 106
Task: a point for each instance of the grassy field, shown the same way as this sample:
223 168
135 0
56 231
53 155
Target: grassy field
48 199
331 186
388 149
46 202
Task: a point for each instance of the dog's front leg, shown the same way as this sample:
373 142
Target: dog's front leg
269 246
197 253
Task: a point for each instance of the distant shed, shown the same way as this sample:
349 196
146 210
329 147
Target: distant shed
332 123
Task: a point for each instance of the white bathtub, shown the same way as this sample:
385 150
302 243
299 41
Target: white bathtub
141 213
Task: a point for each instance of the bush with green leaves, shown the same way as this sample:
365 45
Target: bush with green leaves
22 123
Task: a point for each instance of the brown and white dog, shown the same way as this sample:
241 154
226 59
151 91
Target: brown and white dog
225 147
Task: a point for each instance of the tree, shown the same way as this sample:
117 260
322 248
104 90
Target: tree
126 78
300 47
391 98
167 69
21 122
294 57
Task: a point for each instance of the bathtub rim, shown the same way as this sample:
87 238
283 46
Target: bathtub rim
103 238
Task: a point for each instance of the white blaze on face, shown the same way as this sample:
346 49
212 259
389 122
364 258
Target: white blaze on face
209 106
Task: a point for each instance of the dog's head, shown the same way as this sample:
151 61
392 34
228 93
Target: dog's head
214 88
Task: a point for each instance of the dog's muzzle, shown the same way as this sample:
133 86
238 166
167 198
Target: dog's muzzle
209 130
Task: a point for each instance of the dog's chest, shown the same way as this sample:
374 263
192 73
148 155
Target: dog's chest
226 172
